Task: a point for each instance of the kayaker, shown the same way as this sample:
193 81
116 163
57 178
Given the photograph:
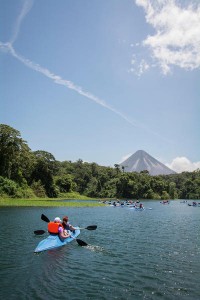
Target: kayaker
66 225
56 227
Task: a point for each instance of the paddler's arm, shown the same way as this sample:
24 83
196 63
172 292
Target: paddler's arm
72 228
61 233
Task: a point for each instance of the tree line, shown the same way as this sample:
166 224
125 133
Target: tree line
27 174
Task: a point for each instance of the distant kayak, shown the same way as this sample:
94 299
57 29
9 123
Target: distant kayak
137 208
193 204
53 241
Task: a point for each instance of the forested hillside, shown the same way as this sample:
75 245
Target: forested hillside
28 174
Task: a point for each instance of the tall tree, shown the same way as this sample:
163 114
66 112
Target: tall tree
16 159
45 169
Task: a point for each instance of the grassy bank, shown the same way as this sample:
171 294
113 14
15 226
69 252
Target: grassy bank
48 202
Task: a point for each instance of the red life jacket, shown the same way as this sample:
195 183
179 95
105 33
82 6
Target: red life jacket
53 227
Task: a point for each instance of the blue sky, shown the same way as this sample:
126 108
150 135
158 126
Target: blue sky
99 80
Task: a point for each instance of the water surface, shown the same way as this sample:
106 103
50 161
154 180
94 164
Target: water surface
150 254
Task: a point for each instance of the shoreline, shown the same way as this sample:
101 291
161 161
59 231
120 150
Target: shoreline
79 201
48 202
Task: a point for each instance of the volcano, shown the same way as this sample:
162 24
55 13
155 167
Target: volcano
141 161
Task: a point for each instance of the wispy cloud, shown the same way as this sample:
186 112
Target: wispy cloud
25 9
183 164
176 41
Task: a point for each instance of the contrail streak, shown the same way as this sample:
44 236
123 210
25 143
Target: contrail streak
25 9
59 80
8 47
70 85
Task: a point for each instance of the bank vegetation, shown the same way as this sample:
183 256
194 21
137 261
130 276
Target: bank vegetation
37 175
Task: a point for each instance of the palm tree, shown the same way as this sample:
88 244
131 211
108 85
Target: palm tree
123 168
117 168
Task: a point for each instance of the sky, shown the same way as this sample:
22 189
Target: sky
99 80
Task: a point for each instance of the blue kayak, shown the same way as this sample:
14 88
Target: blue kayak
53 241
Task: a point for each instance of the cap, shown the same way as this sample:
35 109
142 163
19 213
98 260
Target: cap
57 219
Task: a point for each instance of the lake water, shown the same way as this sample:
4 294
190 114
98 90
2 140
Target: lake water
150 254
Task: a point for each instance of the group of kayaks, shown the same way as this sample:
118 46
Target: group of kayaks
128 203
130 206
195 204
54 241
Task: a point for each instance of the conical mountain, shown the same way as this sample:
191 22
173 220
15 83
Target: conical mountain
141 160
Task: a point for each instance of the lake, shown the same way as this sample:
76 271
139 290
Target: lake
150 254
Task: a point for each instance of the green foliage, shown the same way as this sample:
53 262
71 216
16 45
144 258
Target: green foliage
165 195
38 189
109 189
65 183
25 174
44 170
16 159
9 188
172 190
24 193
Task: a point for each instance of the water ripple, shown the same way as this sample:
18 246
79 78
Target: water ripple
154 254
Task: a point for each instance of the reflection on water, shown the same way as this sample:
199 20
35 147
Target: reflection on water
153 254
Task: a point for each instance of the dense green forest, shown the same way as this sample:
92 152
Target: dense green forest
28 174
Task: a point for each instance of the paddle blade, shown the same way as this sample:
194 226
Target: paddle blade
81 243
44 218
91 227
39 232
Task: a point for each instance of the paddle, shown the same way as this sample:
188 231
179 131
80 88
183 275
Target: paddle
44 218
91 227
40 232
80 242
